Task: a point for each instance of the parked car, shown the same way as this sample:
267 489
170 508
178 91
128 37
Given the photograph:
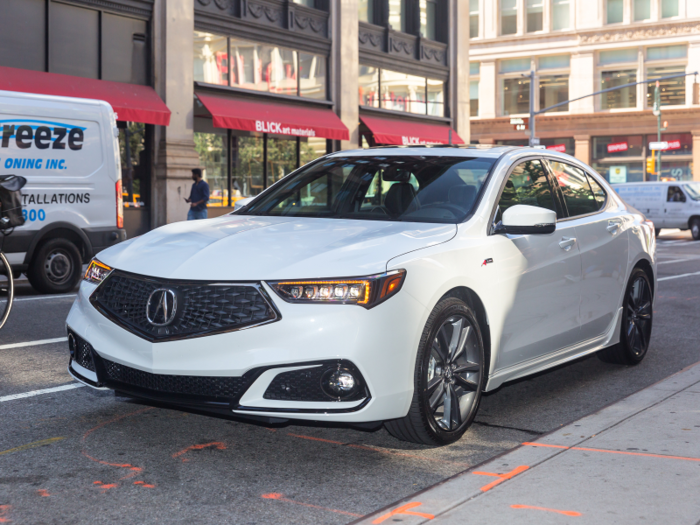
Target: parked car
666 204
388 285
67 150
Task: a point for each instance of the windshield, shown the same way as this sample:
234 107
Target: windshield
693 190
392 188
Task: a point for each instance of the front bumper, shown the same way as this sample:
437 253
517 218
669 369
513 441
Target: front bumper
380 343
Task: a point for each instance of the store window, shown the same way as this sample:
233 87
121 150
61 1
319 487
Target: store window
366 11
669 8
398 91
614 12
509 17
642 10
397 15
535 14
247 164
312 76
213 159
211 63
427 10
561 15
620 158
677 160
473 18
134 161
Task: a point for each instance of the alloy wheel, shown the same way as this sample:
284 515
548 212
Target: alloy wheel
639 314
454 371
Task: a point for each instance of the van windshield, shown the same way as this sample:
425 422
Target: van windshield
693 190
380 188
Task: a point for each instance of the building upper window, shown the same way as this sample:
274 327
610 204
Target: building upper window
474 89
669 8
615 10
561 15
473 18
667 52
535 14
366 11
397 15
427 18
554 81
663 62
617 56
258 67
642 10
397 91
514 87
307 3
509 17
618 67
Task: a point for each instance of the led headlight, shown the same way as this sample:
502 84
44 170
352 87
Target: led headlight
364 291
96 272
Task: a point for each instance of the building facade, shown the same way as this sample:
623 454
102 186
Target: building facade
254 88
579 47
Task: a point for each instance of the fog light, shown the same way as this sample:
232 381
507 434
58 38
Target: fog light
339 383
72 347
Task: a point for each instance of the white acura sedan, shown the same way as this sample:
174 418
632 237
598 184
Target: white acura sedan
388 285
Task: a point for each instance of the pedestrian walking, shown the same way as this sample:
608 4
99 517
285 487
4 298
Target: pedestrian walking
199 196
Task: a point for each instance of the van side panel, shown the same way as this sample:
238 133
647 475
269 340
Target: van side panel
647 197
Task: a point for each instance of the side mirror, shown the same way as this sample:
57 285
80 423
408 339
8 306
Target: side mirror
524 220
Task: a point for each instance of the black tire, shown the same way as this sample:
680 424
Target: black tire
637 317
7 289
657 231
695 228
56 267
436 378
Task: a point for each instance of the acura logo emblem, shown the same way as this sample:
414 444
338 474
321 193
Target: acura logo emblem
161 307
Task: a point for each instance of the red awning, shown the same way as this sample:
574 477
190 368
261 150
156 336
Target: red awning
273 117
131 102
406 132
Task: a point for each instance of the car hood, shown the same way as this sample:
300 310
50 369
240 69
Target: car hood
239 247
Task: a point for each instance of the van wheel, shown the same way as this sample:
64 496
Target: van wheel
56 267
695 228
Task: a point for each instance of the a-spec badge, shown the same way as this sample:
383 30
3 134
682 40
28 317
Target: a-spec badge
161 307
486 261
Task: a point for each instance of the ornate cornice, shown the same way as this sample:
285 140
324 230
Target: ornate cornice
640 33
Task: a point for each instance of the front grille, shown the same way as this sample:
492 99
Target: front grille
305 384
81 351
220 387
202 308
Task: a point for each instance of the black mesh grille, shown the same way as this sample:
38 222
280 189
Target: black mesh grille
305 384
222 387
201 308
81 352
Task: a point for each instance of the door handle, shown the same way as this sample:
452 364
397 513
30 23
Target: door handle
613 226
566 243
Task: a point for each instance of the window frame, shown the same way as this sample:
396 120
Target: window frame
501 77
474 78
663 62
618 66
562 199
569 4
500 20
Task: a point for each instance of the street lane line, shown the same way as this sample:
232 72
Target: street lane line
69 386
678 276
42 297
34 444
34 343
674 261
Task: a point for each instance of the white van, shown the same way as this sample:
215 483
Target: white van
666 204
68 150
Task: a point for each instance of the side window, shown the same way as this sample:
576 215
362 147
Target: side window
598 191
575 187
527 184
675 194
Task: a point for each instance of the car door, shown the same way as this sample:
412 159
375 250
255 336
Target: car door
541 271
603 244
675 208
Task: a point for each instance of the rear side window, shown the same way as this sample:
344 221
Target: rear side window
574 186
598 191
527 184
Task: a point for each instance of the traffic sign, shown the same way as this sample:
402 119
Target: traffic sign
656 146
519 123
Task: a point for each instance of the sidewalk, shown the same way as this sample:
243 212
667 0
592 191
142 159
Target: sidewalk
635 461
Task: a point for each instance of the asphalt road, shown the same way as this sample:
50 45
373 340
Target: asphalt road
82 456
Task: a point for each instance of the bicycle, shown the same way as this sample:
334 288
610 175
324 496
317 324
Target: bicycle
10 216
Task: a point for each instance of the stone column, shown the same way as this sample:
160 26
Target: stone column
346 67
459 68
696 155
582 82
488 90
582 148
173 26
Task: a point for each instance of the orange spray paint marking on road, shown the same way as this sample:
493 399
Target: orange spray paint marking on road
564 512
280 497
144 484
404 509
214 444
623 452
105 487
501 477
4 510
43 493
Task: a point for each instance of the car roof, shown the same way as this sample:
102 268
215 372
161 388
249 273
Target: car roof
465 150
655 182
